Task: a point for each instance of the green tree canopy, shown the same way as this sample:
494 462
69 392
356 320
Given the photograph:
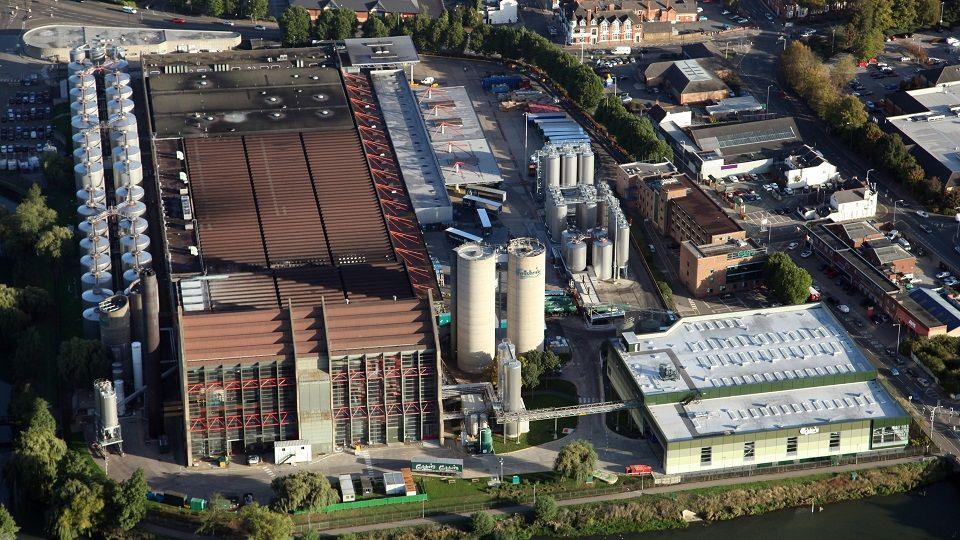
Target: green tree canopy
78 466
374 27
788 282
482 523
534 364
37 453
8 527
127 502
336 24
82 361
302 491
295 27
217 517
34 301
31 348
259 523
576 461
76 509
254 9
545 509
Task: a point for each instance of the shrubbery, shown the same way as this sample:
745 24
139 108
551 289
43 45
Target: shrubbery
941 355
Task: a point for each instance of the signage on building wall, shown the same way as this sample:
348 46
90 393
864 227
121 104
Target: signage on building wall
525 274
809 430
728 167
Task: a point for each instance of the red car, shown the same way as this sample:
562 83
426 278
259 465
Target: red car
178 20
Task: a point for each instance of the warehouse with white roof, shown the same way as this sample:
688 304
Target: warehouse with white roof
754 388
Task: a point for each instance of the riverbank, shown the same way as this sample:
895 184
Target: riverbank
662 511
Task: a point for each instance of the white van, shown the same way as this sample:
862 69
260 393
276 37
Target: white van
904 243
623 49
129 9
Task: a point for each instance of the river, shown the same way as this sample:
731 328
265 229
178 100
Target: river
930 513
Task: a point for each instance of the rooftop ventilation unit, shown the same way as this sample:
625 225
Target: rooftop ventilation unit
668 372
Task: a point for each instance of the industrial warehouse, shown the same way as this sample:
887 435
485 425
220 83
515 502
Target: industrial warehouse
755 388
299 276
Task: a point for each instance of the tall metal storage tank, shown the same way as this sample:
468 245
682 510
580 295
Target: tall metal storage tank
526 282
93 280
84 106
90 137
565 240
115 326
93 245
88 154
106 405
84 123
95 263
128 152
137 242
136 354
556 214
89 174
128 172
91 323
136 260
552 160
137 226
94 228
122 91
81 80
585 165
569 170
512 401
123 122
586 215
97 196
603 258
118 389
115 106
131 209
90 209
577 260
134 192
475 317
93 297
117 77
622 246
83 93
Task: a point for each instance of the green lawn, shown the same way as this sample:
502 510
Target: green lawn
541 431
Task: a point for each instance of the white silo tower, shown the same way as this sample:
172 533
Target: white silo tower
474 317
569 170
526 281
105 405
585 165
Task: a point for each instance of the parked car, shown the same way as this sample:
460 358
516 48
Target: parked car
923 382
895 372
253 459
792 246
843 308
943 275
923 213
805 254
178 20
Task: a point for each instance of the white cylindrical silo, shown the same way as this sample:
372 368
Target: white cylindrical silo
603 258
93 297
81 80
117 77
471 424
622 241
91 323
475 316
88 153
93 280
89 174
90 209
97 196
123 122
118 91
95 263
84 123
86 138
118 389
84 93
136 354
586 215
107 405
133 192
556 212
94 228
128 172
577 258
137 226
94 244
84 106
127 152
585 165
115 106
552 165
136 259
130 276
526 281
569 170
140 242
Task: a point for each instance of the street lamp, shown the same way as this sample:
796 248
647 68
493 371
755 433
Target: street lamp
766 106
501 470
895 203
941 13
868 176
896 352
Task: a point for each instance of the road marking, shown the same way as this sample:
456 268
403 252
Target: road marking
269 471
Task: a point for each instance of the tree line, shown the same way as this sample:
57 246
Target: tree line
871 21
820 86
233 9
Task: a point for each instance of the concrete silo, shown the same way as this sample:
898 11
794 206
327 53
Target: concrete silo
115 326
474 317
526 281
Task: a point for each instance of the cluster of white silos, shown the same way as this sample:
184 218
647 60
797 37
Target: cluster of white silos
509 385
564 165
474 306
100 85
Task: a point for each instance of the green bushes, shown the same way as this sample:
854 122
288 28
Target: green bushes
941 355
633 133
788 282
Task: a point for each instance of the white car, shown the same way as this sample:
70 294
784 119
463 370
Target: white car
805 254
844 308
923 213
943 275
227 23
259 27
699 10
951 281
253 459
792 246
923 382
724 12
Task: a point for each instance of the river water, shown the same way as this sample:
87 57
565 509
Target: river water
931 513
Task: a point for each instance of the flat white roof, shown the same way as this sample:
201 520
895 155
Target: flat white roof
748 347
775 410
938 137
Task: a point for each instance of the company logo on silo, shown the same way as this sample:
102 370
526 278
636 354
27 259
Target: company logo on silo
526 274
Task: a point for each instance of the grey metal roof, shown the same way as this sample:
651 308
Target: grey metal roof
745 137
362 6
376 52
936 305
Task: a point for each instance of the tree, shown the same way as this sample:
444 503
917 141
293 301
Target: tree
82 361
295 27
75 465
37 452
127 504
76 509
545 509
259 523
12 319
788 282
847 114
576 461
255 9
217 517
34 301
482 523
928 13
453 37
57 169
843 70
31 347
302 491
23 228
374 27
8 527
534 364
341 24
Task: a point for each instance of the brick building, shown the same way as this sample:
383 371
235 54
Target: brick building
363 8
622 22
688 81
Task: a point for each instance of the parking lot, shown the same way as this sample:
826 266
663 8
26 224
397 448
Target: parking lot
25 127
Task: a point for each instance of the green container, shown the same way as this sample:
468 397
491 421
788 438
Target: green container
198 505
486 441
443 319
